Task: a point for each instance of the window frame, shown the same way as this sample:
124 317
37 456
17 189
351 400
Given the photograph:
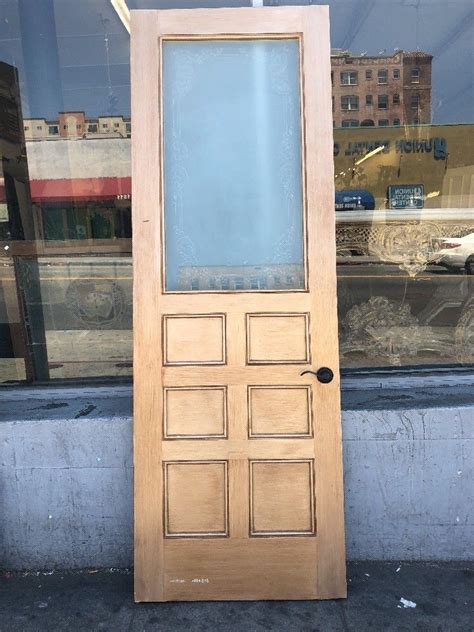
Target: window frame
379 72
350 109
350 121
349 73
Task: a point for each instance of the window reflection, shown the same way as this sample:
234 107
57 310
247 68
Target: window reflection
404 176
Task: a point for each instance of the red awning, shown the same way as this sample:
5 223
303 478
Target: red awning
77 190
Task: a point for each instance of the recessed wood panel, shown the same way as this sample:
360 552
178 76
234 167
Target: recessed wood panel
196 499
279 411
282 498
278 339
194 339
197 412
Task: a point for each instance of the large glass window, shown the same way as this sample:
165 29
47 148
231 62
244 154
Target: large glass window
404 183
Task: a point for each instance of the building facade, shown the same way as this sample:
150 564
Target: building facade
381 90
75 125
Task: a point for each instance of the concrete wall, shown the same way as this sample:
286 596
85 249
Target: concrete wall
66 476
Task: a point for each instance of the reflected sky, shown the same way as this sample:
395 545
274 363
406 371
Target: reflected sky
75 55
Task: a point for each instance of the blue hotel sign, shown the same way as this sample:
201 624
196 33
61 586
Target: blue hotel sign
410 196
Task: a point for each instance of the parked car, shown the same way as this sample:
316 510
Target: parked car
455 252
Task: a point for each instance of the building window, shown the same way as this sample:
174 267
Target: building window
53 129
367 123
414 101
332 78
350 123
116 124
416 121
383 123
368 74
26 128
349 102
382 102
64 126
396 99
39 127
415 75
105 125
368 99
349 78
78 126
128 127
396 122
396 73
382 76
92 128
333 104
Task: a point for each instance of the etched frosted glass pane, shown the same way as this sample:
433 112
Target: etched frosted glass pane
232 165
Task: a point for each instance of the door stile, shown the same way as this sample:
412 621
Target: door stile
331 576
147 399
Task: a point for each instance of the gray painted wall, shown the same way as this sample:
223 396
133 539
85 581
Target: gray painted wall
66 477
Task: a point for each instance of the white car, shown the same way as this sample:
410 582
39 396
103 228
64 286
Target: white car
455 252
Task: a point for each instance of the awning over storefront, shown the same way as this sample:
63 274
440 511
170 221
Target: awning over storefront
79 189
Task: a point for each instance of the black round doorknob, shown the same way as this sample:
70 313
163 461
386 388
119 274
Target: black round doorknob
324 375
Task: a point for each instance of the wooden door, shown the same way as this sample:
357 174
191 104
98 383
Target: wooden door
238 476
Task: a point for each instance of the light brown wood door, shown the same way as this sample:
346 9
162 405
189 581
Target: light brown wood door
238 475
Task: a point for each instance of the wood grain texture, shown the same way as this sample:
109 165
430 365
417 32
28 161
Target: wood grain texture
147 397
278 338
194 339
281 498
196 412
280 411
229 558
196 499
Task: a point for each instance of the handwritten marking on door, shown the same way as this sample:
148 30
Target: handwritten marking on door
196 580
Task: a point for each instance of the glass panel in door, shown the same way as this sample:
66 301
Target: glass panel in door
233 168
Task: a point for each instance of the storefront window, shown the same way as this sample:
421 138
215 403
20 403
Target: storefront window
404 178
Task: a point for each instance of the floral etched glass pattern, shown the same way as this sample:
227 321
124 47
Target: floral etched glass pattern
233 202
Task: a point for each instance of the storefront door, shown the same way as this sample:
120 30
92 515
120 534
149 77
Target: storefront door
238 475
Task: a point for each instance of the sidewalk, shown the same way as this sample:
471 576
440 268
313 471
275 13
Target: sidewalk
93 600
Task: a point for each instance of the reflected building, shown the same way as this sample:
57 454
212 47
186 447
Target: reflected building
381 90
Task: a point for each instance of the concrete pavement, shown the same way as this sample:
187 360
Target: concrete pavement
95 600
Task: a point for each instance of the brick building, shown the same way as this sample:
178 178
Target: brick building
368 91
75 125
381 90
